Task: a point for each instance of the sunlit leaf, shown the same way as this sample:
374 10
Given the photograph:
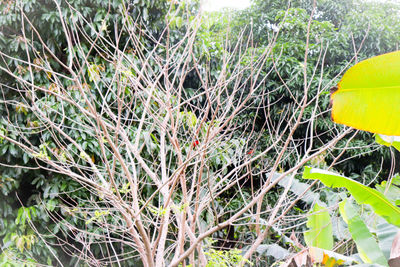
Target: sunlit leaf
368 96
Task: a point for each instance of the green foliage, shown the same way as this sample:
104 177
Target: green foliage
386 233
367 246
333 27
361 193
221 258
390 189
373 238
43 193
366 95
320 228
388 141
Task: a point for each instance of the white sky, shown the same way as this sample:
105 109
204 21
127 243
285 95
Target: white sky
213 5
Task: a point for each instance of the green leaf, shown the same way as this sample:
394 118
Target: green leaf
388 140
390 190
368 96
361 193
386 233
51 204
94 72
179 21
367 246
320 225
20 212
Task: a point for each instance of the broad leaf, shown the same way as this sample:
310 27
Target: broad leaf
386 233
368 96
391 190
296 187
388 140
367 246
361 193
320 225
273 250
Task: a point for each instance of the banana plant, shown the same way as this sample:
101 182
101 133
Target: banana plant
361 193
367 98
371 249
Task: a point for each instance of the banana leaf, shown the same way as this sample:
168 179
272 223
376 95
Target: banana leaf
367 246
361 193
368 96
386 233
388 140
320 228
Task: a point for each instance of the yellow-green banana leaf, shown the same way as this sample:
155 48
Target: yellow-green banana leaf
368 96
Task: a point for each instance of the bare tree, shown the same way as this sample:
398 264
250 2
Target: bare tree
166 153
